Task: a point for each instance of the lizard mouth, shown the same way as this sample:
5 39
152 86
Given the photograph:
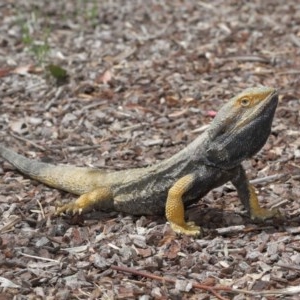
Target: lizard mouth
272 100
267 110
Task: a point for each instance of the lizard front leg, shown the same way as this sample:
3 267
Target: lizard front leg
175 207
100 197
248 197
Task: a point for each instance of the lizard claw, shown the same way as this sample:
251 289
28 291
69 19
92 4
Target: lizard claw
188 228
262 214
59 209
69 208
74 208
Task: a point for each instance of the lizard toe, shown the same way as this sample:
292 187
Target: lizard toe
263 214
188 228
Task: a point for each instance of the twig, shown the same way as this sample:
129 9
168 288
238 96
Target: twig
289 267
39 257
240 228
84 148
9 225
288 72
265 179
231 229
290 290
170 280
247 58
41 208
28 141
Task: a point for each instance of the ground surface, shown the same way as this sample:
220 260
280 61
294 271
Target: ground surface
144 79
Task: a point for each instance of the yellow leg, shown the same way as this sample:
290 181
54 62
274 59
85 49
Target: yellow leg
175 207
101 197
256 211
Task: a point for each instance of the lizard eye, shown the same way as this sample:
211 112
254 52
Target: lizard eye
245 102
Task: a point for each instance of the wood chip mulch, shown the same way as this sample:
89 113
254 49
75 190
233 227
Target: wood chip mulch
144 78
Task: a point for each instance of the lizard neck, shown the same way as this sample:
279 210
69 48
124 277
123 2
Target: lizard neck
187 159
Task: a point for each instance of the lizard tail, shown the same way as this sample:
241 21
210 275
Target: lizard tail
23 164
76 180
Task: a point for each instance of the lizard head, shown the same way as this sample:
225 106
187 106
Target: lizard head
241 127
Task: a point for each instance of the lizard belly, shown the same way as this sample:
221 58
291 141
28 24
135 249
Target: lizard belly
148 197
143 203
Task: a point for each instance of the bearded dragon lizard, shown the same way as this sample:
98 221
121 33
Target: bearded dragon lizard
239 130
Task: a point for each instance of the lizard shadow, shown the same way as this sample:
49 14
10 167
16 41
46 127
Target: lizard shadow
206 217
213 218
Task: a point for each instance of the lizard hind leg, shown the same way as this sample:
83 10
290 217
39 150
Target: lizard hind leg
175 207
100 197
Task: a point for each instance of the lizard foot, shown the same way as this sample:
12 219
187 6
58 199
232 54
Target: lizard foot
71 208
188 228
101 197
263 213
